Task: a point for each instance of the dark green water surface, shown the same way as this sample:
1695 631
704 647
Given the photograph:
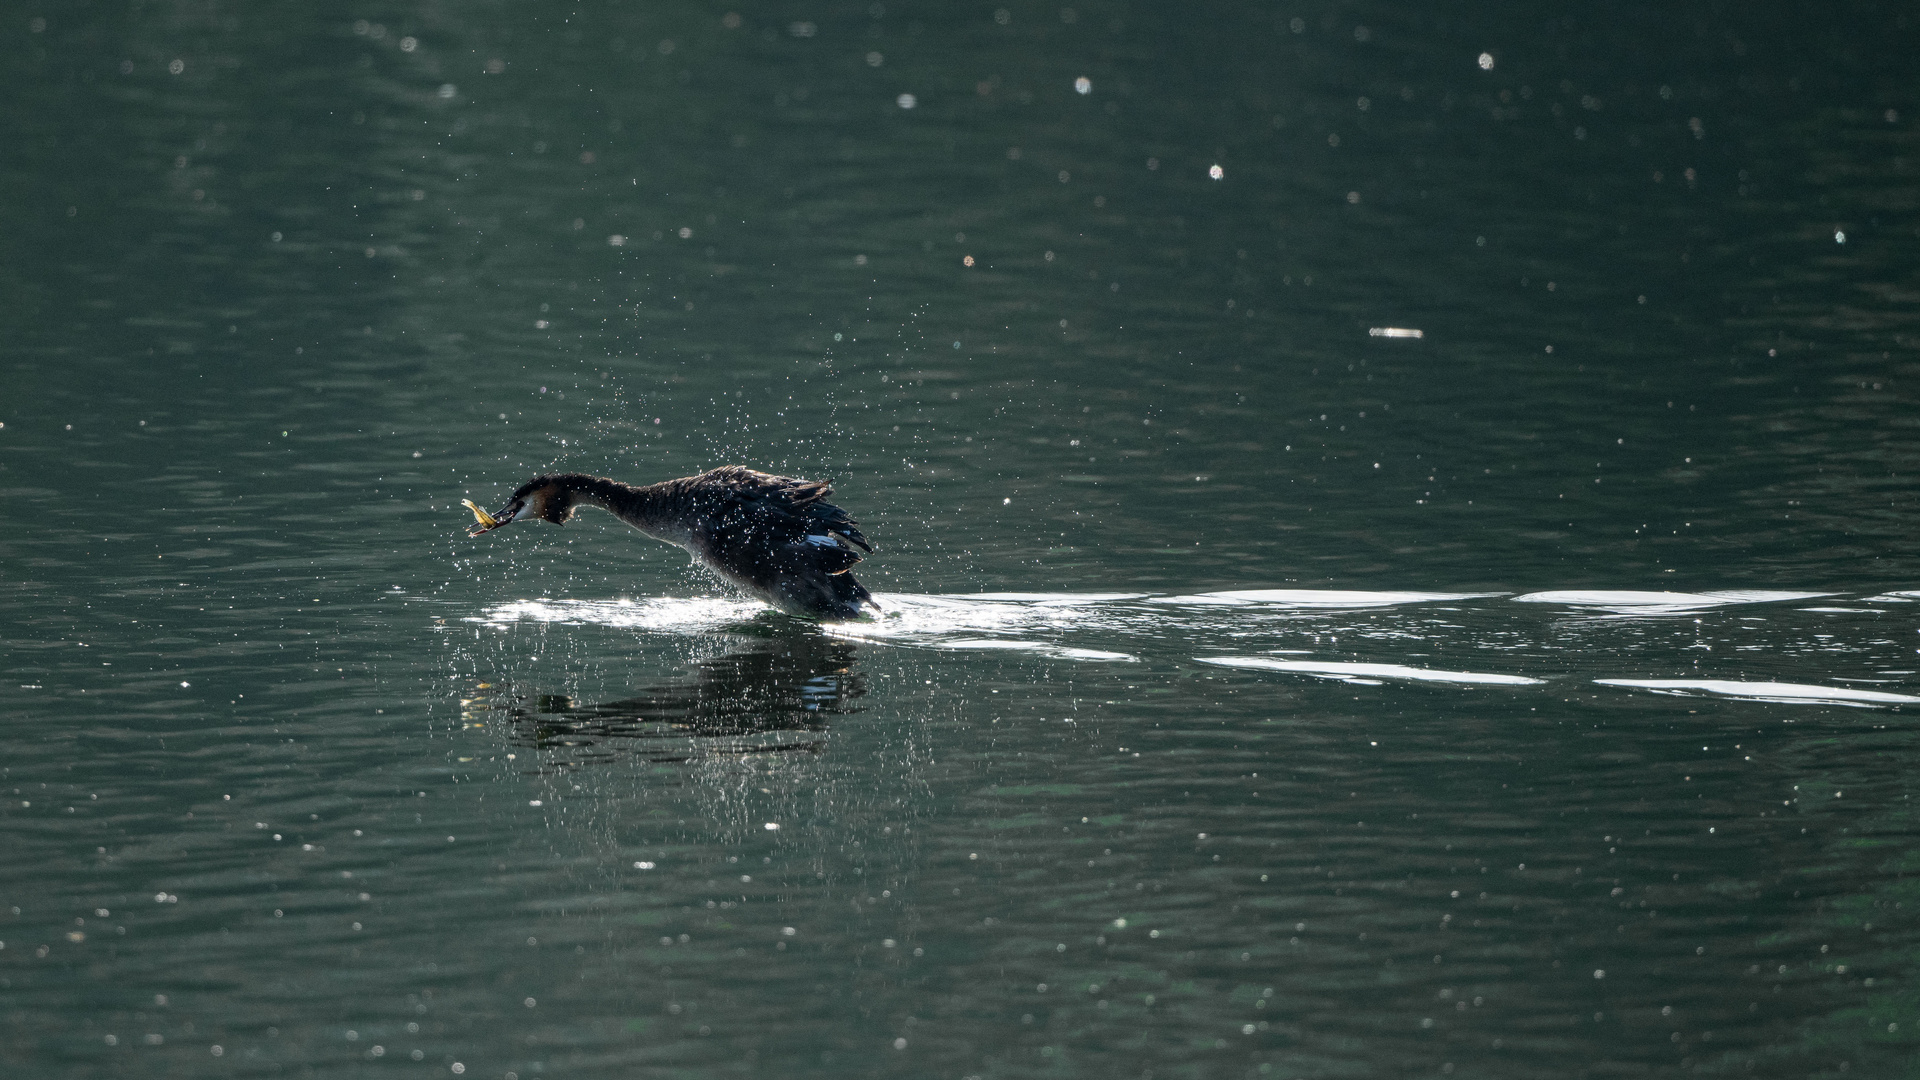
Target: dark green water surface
1257 694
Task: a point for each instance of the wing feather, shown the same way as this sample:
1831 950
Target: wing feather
766 523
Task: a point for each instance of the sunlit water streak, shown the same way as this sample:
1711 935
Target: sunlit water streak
1370 674
1786 693
1627 602
1312 599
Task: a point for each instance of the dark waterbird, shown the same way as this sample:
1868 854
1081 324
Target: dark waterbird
776 537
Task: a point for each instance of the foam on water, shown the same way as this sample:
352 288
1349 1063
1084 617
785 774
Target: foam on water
1793 693
1368 674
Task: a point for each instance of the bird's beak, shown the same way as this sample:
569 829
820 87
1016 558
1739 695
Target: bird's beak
485 522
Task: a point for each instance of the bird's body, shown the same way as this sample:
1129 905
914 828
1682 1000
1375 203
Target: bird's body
775 537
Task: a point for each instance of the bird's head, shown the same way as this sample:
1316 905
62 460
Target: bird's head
542 497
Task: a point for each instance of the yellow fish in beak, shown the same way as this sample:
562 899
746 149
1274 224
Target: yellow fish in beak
484 521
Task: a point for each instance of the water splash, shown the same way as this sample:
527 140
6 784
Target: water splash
689 615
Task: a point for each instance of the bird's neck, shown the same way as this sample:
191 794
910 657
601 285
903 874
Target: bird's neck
648 509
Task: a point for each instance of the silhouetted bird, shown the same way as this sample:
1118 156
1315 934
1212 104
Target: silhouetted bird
773 536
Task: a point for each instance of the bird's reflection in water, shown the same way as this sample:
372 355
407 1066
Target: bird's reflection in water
762 695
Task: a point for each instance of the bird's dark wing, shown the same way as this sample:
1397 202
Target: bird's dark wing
823 516
786 518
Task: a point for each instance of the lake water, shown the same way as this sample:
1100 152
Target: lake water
1257 693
